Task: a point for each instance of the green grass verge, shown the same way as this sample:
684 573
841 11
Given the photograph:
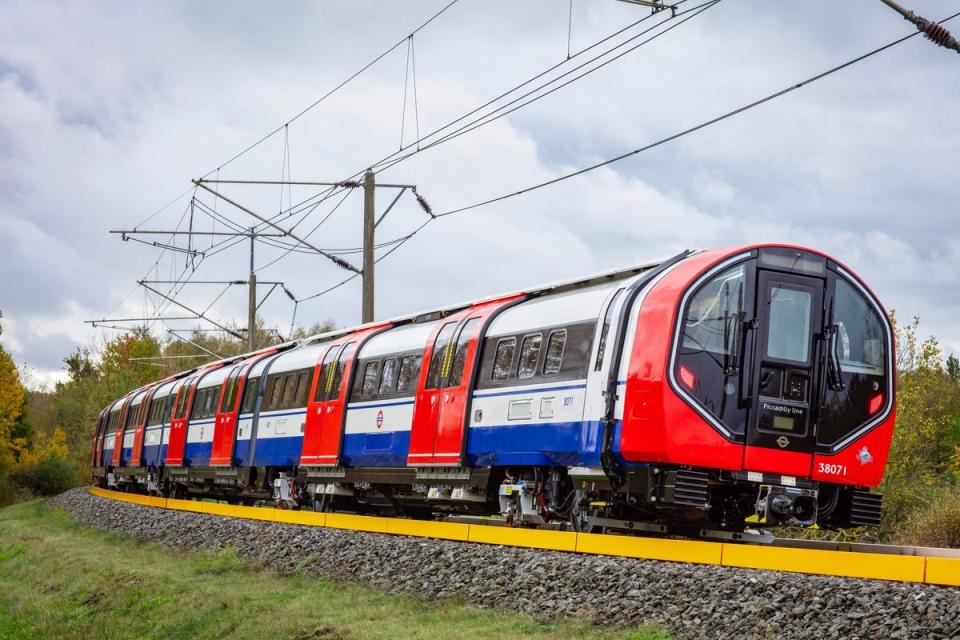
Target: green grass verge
61 579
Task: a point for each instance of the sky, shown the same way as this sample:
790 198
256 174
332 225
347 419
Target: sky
108 110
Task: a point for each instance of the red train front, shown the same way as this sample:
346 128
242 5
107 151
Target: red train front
758 382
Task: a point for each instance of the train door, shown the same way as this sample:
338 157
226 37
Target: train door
787 355
140 427
225 423
118 431
438 433
320 393
325 442
179 417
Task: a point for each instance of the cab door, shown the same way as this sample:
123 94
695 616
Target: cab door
225 422
178 422
786 361
439 432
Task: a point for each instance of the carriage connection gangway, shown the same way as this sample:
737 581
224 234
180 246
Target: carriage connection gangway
926 565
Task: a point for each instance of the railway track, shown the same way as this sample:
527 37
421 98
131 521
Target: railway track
925 565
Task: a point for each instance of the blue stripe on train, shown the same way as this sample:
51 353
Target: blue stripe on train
552 443
154 455
558 443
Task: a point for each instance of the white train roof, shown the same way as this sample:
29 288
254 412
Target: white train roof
214 378
164 388
569 307
300 357
405 337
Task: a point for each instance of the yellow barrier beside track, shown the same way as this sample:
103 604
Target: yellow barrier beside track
913 565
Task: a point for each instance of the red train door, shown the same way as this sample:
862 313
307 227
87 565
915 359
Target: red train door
118 431
323 437
438 432
320 391
179 417
140 428
225 423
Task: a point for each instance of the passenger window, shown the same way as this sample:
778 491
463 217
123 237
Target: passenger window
250 395
230 392
345 356
460 355
388 378
210 405
554 357
529 354
289 390
326 374
440 355
503 360
370 379
409 372
276 392
303 387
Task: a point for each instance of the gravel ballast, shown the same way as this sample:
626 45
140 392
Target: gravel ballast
693 601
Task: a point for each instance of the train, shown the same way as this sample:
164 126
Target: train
713 391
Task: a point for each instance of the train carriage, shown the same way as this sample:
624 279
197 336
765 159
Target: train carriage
696 393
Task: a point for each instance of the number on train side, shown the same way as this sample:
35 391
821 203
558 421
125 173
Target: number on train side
832 469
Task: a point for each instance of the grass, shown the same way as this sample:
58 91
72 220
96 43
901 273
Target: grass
61 579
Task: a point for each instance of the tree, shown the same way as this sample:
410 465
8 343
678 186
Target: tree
953 368
12 395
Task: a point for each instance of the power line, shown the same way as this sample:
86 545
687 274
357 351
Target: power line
692 129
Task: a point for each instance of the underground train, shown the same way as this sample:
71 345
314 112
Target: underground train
703 392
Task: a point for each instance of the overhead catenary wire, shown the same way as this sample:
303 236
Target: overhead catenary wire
693 129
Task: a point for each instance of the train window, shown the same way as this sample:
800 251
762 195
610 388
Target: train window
707 325
250 395
607 317
274 391
389 377
229 394
210 402
326 374
131 412
460 355
529 355
503 361
345 356
554 358
289 390
859 333
303 387
182 401
409 371
370 379
440 358
197 411
708 345
157 409
789 333
860 344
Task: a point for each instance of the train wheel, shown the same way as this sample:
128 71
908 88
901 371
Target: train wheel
580 519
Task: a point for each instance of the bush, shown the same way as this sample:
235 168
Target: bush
938 523
48 477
